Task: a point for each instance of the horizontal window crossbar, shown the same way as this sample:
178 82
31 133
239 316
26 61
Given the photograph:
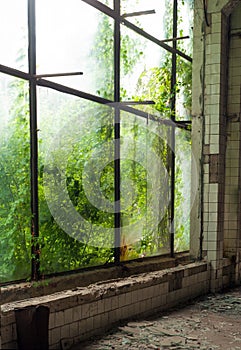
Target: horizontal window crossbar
155 40
120 105
68 90
105 9
14 72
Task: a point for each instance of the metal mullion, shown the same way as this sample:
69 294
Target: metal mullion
155 40
70 91
138 13
115 14
103 8
35 272
117 175
117 171
34 82
14 72
122 106
173 118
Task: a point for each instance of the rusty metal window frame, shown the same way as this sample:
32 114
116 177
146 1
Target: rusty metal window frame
35 81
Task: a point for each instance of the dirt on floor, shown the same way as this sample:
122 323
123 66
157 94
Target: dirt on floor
212 322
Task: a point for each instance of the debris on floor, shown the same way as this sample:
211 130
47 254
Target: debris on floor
209 323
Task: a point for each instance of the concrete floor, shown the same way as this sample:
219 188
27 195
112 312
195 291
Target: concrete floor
213 322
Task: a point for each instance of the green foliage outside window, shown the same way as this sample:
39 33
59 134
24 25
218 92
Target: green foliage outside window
59 251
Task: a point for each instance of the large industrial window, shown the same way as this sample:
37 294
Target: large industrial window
94 133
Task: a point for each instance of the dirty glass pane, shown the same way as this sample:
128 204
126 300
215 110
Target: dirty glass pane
185 25
14 34
15 215
145 190
72 36
157 24
184 89
109 3
182 190
149 74
76 182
